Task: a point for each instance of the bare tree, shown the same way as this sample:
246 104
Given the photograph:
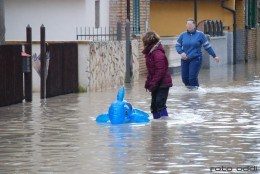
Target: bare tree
2 22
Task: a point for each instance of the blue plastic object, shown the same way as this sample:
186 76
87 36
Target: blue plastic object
120 112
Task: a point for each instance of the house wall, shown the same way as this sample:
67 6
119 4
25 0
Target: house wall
60 17
251 43
102 64
168 18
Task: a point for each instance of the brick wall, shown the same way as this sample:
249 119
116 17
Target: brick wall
145 16
118 12
251 44
250 34
240 14
240 32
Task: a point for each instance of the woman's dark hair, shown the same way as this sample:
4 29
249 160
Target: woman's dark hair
150 38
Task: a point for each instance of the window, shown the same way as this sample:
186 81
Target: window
251 13
136 16
97 13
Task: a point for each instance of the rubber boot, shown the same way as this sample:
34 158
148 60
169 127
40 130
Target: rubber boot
156 115
164 114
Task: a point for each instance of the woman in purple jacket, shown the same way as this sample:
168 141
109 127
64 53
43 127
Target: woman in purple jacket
158 79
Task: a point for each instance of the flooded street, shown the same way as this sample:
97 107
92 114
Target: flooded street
218 125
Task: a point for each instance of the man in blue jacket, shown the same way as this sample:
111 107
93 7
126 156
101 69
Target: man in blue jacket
189 46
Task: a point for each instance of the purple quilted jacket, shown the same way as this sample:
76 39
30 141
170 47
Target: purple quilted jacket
157 66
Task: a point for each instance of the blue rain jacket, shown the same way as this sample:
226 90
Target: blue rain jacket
191 43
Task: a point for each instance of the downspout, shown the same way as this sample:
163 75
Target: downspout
196 12
128 10
234 30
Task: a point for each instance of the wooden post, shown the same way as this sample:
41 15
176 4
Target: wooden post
43 63
28 75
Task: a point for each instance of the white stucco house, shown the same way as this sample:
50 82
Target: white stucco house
60 17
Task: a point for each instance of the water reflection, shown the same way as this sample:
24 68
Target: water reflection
158 148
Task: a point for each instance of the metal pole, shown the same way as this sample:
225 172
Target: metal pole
43 63
128 74
28 75
119 31
235 38
2 23
196 11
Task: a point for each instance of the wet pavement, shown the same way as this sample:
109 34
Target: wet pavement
218 125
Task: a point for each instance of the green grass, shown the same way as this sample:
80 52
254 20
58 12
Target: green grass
82 89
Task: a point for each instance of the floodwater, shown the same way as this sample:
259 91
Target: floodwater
216 127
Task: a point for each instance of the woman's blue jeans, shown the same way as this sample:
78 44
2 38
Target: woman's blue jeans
189 72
